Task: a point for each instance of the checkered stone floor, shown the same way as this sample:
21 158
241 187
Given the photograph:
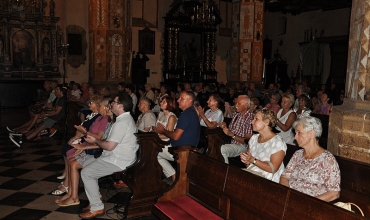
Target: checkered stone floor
28 176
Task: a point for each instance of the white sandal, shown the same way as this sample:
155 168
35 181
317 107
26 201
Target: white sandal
59 192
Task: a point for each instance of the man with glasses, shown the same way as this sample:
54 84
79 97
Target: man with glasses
119 152
240 129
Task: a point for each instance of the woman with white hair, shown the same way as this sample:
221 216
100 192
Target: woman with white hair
312 170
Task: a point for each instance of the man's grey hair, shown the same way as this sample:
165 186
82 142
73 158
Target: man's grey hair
310 123
246 97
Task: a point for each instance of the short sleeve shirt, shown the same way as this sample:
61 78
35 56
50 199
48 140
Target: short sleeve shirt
122 132
216 115
189 123
263 152
313 176
241 124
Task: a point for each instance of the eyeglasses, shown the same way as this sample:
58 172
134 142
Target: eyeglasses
112 101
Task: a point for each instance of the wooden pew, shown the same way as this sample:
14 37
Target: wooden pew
355 183
144 176
215 190
216 137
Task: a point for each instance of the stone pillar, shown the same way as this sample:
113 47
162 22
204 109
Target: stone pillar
246 41
110 34
349 126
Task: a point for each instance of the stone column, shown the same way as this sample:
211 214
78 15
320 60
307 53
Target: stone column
246 41
349 126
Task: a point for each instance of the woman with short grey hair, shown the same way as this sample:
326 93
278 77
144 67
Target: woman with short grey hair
312 170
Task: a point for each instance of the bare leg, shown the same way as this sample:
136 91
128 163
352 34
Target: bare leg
66 180
74 175
34 132
82 117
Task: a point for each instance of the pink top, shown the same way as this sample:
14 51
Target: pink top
98 125
313 176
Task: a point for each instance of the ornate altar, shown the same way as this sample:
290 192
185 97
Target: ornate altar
189 48
29 40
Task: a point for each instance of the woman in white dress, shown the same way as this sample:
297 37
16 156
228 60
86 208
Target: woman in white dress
285 119
168 119
266 149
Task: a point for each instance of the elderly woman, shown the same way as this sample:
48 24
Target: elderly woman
266 149
303 106
147 118
312 170
213 116
285 118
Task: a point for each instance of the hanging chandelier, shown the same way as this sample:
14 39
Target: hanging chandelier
204 13
22 3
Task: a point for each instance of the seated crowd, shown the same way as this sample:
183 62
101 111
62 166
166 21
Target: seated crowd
260 125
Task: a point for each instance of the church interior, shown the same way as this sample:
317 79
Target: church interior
171 42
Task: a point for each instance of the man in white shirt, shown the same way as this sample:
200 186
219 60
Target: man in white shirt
119 152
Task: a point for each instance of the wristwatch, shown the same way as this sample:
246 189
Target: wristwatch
255 161
233 137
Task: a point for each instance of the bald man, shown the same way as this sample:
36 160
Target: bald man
240 129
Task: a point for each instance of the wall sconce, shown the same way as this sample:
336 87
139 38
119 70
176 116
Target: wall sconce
116 21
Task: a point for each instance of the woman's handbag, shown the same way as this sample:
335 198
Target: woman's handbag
347 206
260 173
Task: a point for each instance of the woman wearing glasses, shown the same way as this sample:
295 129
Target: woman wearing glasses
100 128
68 151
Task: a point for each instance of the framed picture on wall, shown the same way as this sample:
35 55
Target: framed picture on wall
147 41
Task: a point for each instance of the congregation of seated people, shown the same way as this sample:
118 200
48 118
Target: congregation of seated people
260 124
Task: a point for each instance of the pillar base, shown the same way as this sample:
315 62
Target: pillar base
349 130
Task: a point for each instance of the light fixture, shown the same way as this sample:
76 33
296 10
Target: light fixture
203 13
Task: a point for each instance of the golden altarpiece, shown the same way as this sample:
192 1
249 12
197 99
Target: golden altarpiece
29 40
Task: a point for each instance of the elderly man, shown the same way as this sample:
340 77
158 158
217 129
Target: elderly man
240 129
187 130
149 92
119 152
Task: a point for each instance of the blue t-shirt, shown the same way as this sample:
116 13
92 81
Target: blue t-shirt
189 123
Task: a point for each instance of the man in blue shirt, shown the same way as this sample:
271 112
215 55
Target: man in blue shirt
187 130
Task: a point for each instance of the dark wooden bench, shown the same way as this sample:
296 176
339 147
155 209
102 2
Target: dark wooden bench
144 176
355 176
214 190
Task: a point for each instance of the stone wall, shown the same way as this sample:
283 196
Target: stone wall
349 130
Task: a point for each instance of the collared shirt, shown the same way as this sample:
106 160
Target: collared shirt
241 124
122 132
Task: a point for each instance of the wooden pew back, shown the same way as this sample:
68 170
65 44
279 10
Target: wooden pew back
355 183
144 176
208 193
253 197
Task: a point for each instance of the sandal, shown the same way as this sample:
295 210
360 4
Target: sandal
59 192
64 204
